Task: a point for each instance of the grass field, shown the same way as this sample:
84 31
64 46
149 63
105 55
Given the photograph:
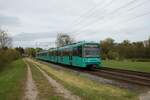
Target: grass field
12 79
128 65
87 89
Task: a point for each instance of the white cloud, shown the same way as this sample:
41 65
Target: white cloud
104 18
9 20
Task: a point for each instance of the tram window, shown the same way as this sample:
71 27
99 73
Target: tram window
64 52
80 51
50 53
59 53
43 54
54 53
67 52
91 50
75 52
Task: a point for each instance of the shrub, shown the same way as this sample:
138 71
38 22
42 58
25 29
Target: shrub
7 56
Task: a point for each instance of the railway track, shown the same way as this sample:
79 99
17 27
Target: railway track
139 78
128 76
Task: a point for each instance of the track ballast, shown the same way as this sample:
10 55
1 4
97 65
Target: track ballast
128 76
139 78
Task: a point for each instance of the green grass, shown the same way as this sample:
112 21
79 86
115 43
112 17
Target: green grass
46 91
87 89
128 65
12 79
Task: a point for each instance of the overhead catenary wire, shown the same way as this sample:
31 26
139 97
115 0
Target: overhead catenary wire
128 20
128 10
111 13
89 13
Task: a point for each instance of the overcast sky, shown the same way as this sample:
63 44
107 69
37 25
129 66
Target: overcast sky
35 22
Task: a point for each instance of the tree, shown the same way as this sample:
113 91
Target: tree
5 40
63 39
20 50
38 49
31 52
106 45
7 56
124 49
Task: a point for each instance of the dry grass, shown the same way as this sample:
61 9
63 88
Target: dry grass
86 88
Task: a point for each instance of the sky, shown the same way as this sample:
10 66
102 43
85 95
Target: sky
35 23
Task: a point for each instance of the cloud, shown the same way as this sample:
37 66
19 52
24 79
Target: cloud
43 19
9 20
33 36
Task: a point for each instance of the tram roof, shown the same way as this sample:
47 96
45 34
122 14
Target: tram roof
69 46
74 45
44 51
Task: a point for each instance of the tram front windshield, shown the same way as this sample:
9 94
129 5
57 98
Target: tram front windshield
91 50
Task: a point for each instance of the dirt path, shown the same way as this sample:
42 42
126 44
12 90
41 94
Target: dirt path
145 96
31 90
58 87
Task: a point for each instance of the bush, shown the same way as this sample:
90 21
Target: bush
7 56
113 55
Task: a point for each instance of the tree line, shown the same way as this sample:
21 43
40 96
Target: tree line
109 49
7 53
125 50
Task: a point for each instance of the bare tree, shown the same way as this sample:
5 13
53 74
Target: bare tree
5 40
63 39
